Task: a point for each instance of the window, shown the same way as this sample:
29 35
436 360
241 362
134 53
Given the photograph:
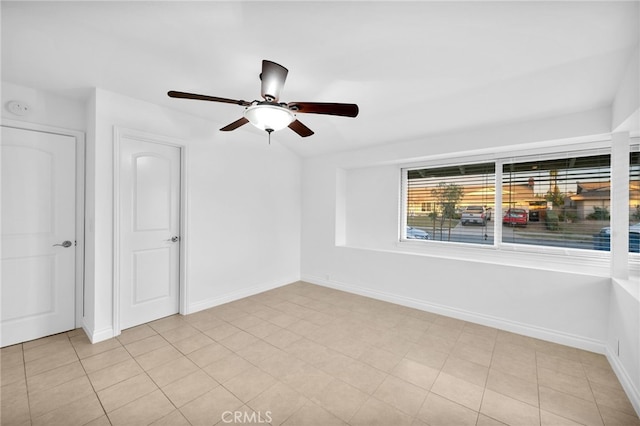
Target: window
451 203
634 199
559 202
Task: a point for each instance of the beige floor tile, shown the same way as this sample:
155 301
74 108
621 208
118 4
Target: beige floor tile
171 371
262 329
472 353
280 400
439 411
158 357
524 354
282 338
571 384
192 343
592 358
512 386
47 400
310 351
204 321
281 366
134 334
525 370
561 365
304 328
602 375
258 351
178 333
167 323
126 391
79 412
208 354
555 349
113 374
550 419
467 370
11 356
249 384
142 411
402 395
209 408
489 333
416 373
313 415
341 399
427 355
174 418
380 359
614 398
100 421
363 376
227 368
509 410
308 380
458 390
51 361
238 340
44 341
146 344
612 417
246 322
569 406
84 348
222 331
12 373
374 412
105 359
55 377
14 409
189 387
484 420
41 351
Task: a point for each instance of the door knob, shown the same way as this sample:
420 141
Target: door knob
65 244
174 239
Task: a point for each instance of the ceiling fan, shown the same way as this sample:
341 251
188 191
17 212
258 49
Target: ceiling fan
270 114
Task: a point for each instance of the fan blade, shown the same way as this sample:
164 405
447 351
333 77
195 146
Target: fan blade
183 95
273 77
240 122
345 110
300 128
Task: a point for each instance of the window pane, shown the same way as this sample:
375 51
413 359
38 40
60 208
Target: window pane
561 202
634 201
453 203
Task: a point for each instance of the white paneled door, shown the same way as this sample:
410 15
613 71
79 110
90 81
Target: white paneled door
38 234
149 230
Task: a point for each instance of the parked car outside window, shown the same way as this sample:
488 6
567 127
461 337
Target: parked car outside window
417 234
602 240
515 217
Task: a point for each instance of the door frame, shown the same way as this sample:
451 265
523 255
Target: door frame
118 134
80 202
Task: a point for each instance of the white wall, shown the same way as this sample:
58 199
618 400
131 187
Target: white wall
243 206
561 303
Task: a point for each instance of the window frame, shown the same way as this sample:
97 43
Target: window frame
593 260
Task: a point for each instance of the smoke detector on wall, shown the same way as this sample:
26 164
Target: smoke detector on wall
18 108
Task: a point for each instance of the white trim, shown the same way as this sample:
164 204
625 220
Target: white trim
487 320
633 393
80 202
96 336
118 134
236 295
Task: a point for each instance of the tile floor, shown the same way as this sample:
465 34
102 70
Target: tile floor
308 355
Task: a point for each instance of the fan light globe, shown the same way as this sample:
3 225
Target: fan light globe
269 117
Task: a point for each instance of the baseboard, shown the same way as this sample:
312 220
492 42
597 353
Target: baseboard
236 295
96 336
487 320
627 384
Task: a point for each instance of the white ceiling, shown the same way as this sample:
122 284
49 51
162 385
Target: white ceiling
414 68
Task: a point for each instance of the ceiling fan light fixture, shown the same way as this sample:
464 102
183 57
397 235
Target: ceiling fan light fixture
269 117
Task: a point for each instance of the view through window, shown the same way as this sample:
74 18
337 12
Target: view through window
452 203
561 202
